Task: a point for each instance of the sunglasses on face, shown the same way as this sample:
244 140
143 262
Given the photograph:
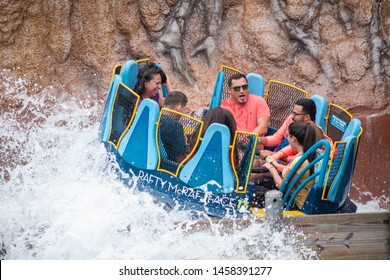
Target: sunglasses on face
238 88
298 114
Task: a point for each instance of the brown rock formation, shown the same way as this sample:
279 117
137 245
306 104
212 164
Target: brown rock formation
338 49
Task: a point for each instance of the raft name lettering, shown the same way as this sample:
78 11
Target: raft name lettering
204 197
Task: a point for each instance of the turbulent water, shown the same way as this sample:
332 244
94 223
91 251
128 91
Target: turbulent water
64 198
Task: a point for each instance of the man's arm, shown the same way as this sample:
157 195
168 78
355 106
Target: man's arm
276 138
262 116
262 126
284 153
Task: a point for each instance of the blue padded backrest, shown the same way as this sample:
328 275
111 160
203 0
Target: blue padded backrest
106 119
211 164
322 110
339 189
256 84
138 146
129 73
353 129
217 94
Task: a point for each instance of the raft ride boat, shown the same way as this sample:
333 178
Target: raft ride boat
213 178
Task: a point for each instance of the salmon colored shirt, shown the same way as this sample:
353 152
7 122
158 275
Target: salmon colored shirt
246 115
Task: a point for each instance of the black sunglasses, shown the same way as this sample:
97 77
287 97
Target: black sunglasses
238 88
299 114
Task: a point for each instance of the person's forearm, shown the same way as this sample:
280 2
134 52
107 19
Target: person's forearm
263 140
260 130
274 173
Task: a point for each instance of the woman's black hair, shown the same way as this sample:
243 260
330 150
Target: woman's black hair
146 74
222 116
305 135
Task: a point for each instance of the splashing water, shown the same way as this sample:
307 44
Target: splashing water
65 199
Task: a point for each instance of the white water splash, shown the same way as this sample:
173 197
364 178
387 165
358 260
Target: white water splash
67 200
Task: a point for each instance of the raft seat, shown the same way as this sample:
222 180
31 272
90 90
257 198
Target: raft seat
118 112
341 171
331 194
129 73
106 121
256 84
138 145
322 110
210 169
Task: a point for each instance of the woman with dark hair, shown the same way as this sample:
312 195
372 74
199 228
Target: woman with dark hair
149 83
222 116
301 136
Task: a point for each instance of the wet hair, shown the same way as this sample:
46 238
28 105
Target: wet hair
175 98
305 135
308 107
146 74
236 77
222 116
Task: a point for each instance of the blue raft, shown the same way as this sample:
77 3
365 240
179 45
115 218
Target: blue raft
214 176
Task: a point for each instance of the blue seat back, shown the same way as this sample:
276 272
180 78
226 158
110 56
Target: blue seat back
138 145
322 110
256 84
106 119
337 121
341 171
218 88
354 128
210 168
118 112
129 72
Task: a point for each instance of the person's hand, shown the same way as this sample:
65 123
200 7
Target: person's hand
271 160
268 165
265 153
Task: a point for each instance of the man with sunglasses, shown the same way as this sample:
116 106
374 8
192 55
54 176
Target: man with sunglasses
250 111
304 110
